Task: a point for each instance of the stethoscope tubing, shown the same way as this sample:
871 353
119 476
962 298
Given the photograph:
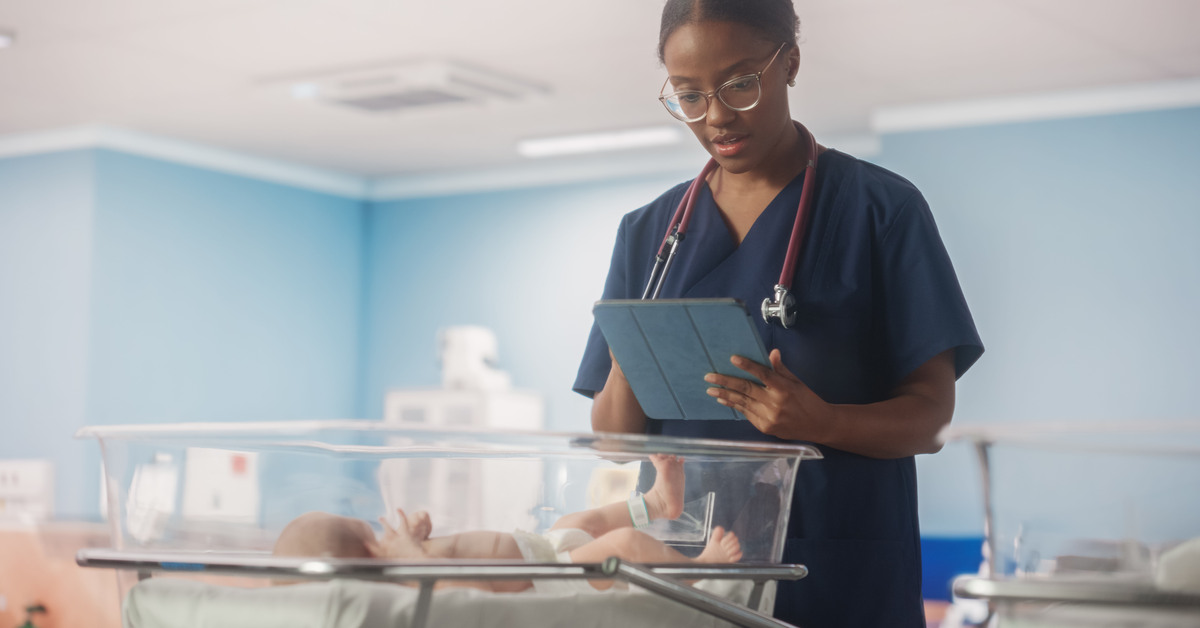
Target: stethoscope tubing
677 229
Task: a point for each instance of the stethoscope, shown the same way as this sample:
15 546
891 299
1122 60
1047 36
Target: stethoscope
783 305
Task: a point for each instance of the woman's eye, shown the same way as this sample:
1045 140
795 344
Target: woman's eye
741 84
689 98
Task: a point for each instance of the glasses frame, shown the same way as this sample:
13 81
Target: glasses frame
757 76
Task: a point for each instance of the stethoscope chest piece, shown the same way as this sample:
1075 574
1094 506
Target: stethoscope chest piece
782 308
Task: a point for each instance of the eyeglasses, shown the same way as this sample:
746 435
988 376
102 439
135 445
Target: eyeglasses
740 93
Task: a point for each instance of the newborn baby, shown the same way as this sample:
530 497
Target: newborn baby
588 536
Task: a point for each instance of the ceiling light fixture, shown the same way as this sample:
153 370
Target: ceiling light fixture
7 38
599 142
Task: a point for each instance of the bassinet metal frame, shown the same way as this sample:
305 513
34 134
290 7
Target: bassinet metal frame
666 580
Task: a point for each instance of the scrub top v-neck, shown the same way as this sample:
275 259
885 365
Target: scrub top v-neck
877 297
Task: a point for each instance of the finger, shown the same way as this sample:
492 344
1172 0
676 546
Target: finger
748 406
750 366
727 382
776 358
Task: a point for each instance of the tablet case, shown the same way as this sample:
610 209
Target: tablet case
666 346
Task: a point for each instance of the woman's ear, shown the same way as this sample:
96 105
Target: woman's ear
793 65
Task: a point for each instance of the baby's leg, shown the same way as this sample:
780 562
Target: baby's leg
638 547
664 500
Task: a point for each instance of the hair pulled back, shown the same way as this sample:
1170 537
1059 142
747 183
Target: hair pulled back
775 19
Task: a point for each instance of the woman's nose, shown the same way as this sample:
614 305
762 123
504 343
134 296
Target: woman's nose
718 112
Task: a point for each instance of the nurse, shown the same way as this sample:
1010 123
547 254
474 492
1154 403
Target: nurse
867 372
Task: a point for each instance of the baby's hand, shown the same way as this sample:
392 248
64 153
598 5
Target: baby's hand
404 541
419 525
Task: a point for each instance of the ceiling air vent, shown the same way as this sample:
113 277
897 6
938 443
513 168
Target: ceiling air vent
411 85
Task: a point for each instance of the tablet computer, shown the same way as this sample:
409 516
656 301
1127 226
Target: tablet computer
666 346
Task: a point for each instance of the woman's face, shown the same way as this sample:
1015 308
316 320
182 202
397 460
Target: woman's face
703 56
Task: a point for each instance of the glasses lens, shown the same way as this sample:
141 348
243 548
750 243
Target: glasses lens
741 93
687 106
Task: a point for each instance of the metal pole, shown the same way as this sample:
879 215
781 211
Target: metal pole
424 602
690 596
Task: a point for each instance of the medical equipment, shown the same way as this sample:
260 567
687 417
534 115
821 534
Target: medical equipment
343 467
1088 524
782 305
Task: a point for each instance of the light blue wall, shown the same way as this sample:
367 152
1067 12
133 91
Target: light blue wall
222 298
526 263
1075 242
139 291
46 214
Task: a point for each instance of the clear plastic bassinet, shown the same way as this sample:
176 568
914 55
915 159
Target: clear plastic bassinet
1092 524
213 498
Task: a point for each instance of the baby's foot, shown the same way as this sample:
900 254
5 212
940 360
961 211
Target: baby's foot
664 500
722 547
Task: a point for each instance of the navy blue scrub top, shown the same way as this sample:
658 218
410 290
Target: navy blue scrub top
877 297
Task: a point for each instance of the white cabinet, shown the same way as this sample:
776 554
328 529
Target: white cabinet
460 495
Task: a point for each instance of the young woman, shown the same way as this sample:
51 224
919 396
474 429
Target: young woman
867 369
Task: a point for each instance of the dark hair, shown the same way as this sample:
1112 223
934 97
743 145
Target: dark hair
775 19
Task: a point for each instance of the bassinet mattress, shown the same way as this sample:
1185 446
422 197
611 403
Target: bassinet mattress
178 603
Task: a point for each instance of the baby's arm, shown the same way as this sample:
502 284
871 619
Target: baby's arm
411 540
481 544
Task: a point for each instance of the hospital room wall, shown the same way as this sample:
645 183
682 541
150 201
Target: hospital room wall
191 295
1072 239
47 210
527 263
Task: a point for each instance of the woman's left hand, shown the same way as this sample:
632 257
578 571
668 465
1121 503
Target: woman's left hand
783 406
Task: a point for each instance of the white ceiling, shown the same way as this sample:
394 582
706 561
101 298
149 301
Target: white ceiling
209 71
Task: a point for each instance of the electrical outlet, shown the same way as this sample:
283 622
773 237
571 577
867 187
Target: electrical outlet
26 489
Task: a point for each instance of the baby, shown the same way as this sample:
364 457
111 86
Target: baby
588 536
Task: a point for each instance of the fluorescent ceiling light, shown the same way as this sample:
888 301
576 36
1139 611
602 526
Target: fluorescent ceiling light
598 142
7 38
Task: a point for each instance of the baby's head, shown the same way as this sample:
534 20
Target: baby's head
320 534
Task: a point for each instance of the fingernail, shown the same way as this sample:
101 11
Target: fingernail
712 392
711 377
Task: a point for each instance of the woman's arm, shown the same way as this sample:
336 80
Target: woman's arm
905 424
614 408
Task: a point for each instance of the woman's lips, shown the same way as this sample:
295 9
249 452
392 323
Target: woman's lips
729 145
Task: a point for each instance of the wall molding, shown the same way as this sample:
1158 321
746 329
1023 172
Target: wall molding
186 153
533 173
1116 99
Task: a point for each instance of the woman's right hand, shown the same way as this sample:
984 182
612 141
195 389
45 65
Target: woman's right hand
615 408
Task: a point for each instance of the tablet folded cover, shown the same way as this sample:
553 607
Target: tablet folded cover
666 346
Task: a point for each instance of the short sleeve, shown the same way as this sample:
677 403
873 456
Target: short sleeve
922 310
